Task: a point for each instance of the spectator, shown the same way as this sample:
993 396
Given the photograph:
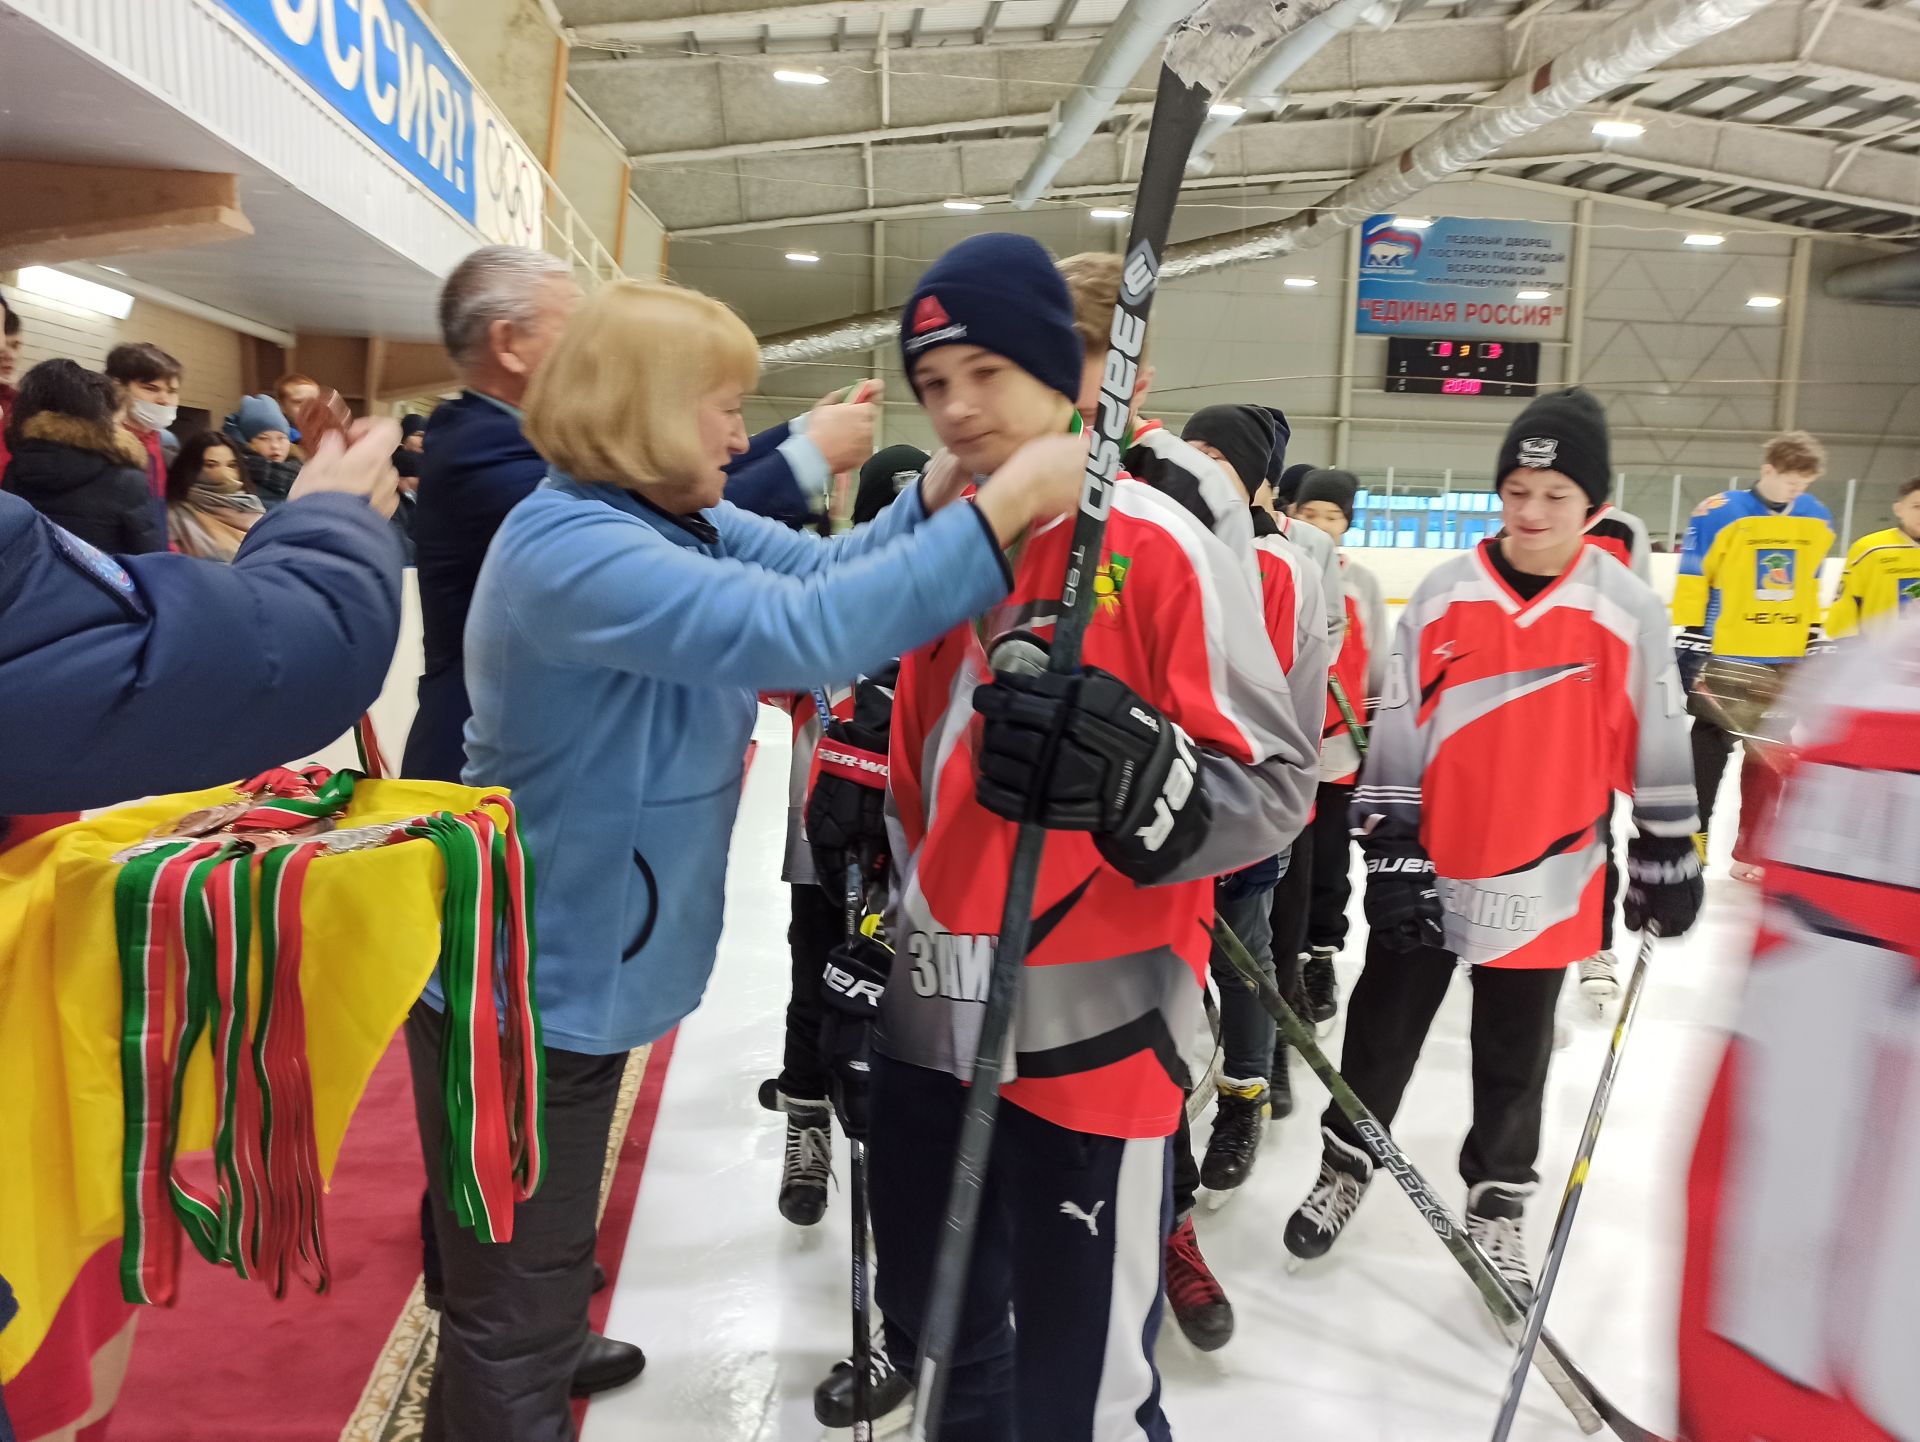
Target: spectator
149 379
262 427
209 508
76 464
413 441
9 362
292 392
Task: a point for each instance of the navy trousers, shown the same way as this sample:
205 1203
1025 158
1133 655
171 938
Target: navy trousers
1064 1298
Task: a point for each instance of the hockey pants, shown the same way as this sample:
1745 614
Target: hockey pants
818 925
1064 1296
1392 1006
1332 846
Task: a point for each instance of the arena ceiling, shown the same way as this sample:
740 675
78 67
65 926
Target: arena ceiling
1806 116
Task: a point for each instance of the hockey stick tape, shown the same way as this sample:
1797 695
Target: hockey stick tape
1019 653
1215 43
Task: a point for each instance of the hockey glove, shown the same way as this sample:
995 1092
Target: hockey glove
1403 904
846 810
1087 753
1664 889
850 988
1691 648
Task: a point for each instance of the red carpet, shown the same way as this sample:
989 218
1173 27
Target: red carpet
227 1363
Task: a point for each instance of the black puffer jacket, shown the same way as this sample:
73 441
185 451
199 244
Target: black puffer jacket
89 479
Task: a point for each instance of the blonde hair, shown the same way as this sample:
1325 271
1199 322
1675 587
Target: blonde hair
1798 452
618 398
1093 284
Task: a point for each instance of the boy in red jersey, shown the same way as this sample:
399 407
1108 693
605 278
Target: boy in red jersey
1532 678
1172 757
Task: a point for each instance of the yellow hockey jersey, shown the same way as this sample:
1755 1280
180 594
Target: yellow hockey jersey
1881 580
1750 575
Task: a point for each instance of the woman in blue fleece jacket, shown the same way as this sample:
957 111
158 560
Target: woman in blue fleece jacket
623 622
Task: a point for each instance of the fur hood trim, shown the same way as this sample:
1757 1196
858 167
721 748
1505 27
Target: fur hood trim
116 443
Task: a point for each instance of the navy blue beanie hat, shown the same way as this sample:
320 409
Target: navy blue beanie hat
1001 293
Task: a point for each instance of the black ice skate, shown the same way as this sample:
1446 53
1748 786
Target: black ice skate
1496 1219
808 1163
889 1395
1237 1128
1198 1300
1317 981
1345 1173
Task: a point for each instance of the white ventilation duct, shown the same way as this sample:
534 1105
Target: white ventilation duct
1603 62
1265 81
1129 43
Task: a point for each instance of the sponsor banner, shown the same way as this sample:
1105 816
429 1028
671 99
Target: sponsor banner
382 67
1462 277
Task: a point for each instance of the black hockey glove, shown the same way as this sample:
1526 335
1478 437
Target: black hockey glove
850 988
1664 889
1087 753
1691 648
846 810
1403 904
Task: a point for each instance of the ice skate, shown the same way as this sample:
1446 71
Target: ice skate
1345 1173
1322 990
1700 849
889 1396
1199 1302
1238 1125
808 1162
1599 981
1496 1219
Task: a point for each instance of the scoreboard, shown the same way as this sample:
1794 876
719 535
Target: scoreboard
1466 366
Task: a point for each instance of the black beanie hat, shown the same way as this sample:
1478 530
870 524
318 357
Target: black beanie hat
1282 433
1001 293
1329 485
1243 434
885 475
1564 431
1288 484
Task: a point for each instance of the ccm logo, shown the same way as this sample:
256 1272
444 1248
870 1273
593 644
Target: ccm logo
852 987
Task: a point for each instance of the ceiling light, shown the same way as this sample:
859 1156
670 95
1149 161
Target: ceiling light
803 257
799 77
1536 295
1226 109
963 205
71 290
1705 240
1108 212
1764 302
1300 282
1619 129
1412 222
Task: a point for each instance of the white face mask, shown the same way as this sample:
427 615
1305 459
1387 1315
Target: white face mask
152 416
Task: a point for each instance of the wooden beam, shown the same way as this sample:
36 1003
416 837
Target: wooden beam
60 212
557 102
626 204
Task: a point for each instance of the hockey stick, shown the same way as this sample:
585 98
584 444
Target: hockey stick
1354 728
1589 1407
857 1183
1206 51
1576 1184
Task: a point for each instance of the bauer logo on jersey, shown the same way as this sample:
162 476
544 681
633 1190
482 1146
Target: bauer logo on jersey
1773 578
950 966
1539 452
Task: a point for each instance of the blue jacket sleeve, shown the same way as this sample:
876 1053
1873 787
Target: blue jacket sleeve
776 477
151 674
604 590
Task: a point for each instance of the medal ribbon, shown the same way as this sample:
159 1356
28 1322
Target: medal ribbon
287 805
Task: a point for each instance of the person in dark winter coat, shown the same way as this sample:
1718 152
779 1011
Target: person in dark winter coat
75 464
110 669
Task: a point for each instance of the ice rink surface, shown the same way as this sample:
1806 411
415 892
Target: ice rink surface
742 1313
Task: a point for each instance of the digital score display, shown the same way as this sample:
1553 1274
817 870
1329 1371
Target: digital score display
1462 367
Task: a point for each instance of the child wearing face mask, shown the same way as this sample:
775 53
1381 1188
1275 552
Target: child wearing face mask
149 379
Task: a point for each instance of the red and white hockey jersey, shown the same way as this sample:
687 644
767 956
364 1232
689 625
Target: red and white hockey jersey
1361 667
1112 981
1803 1236
1506 727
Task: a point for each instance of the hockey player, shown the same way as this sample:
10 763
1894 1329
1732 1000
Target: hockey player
1882 576
818 915
1803 1234
1324 499
1173 757
1749 589
1531 679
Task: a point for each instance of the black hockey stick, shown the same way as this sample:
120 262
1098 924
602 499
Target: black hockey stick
857 1183
1209 48
1590 1409
1576 1184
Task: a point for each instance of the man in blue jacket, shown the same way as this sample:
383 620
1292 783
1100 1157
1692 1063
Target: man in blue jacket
126 677
500 312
